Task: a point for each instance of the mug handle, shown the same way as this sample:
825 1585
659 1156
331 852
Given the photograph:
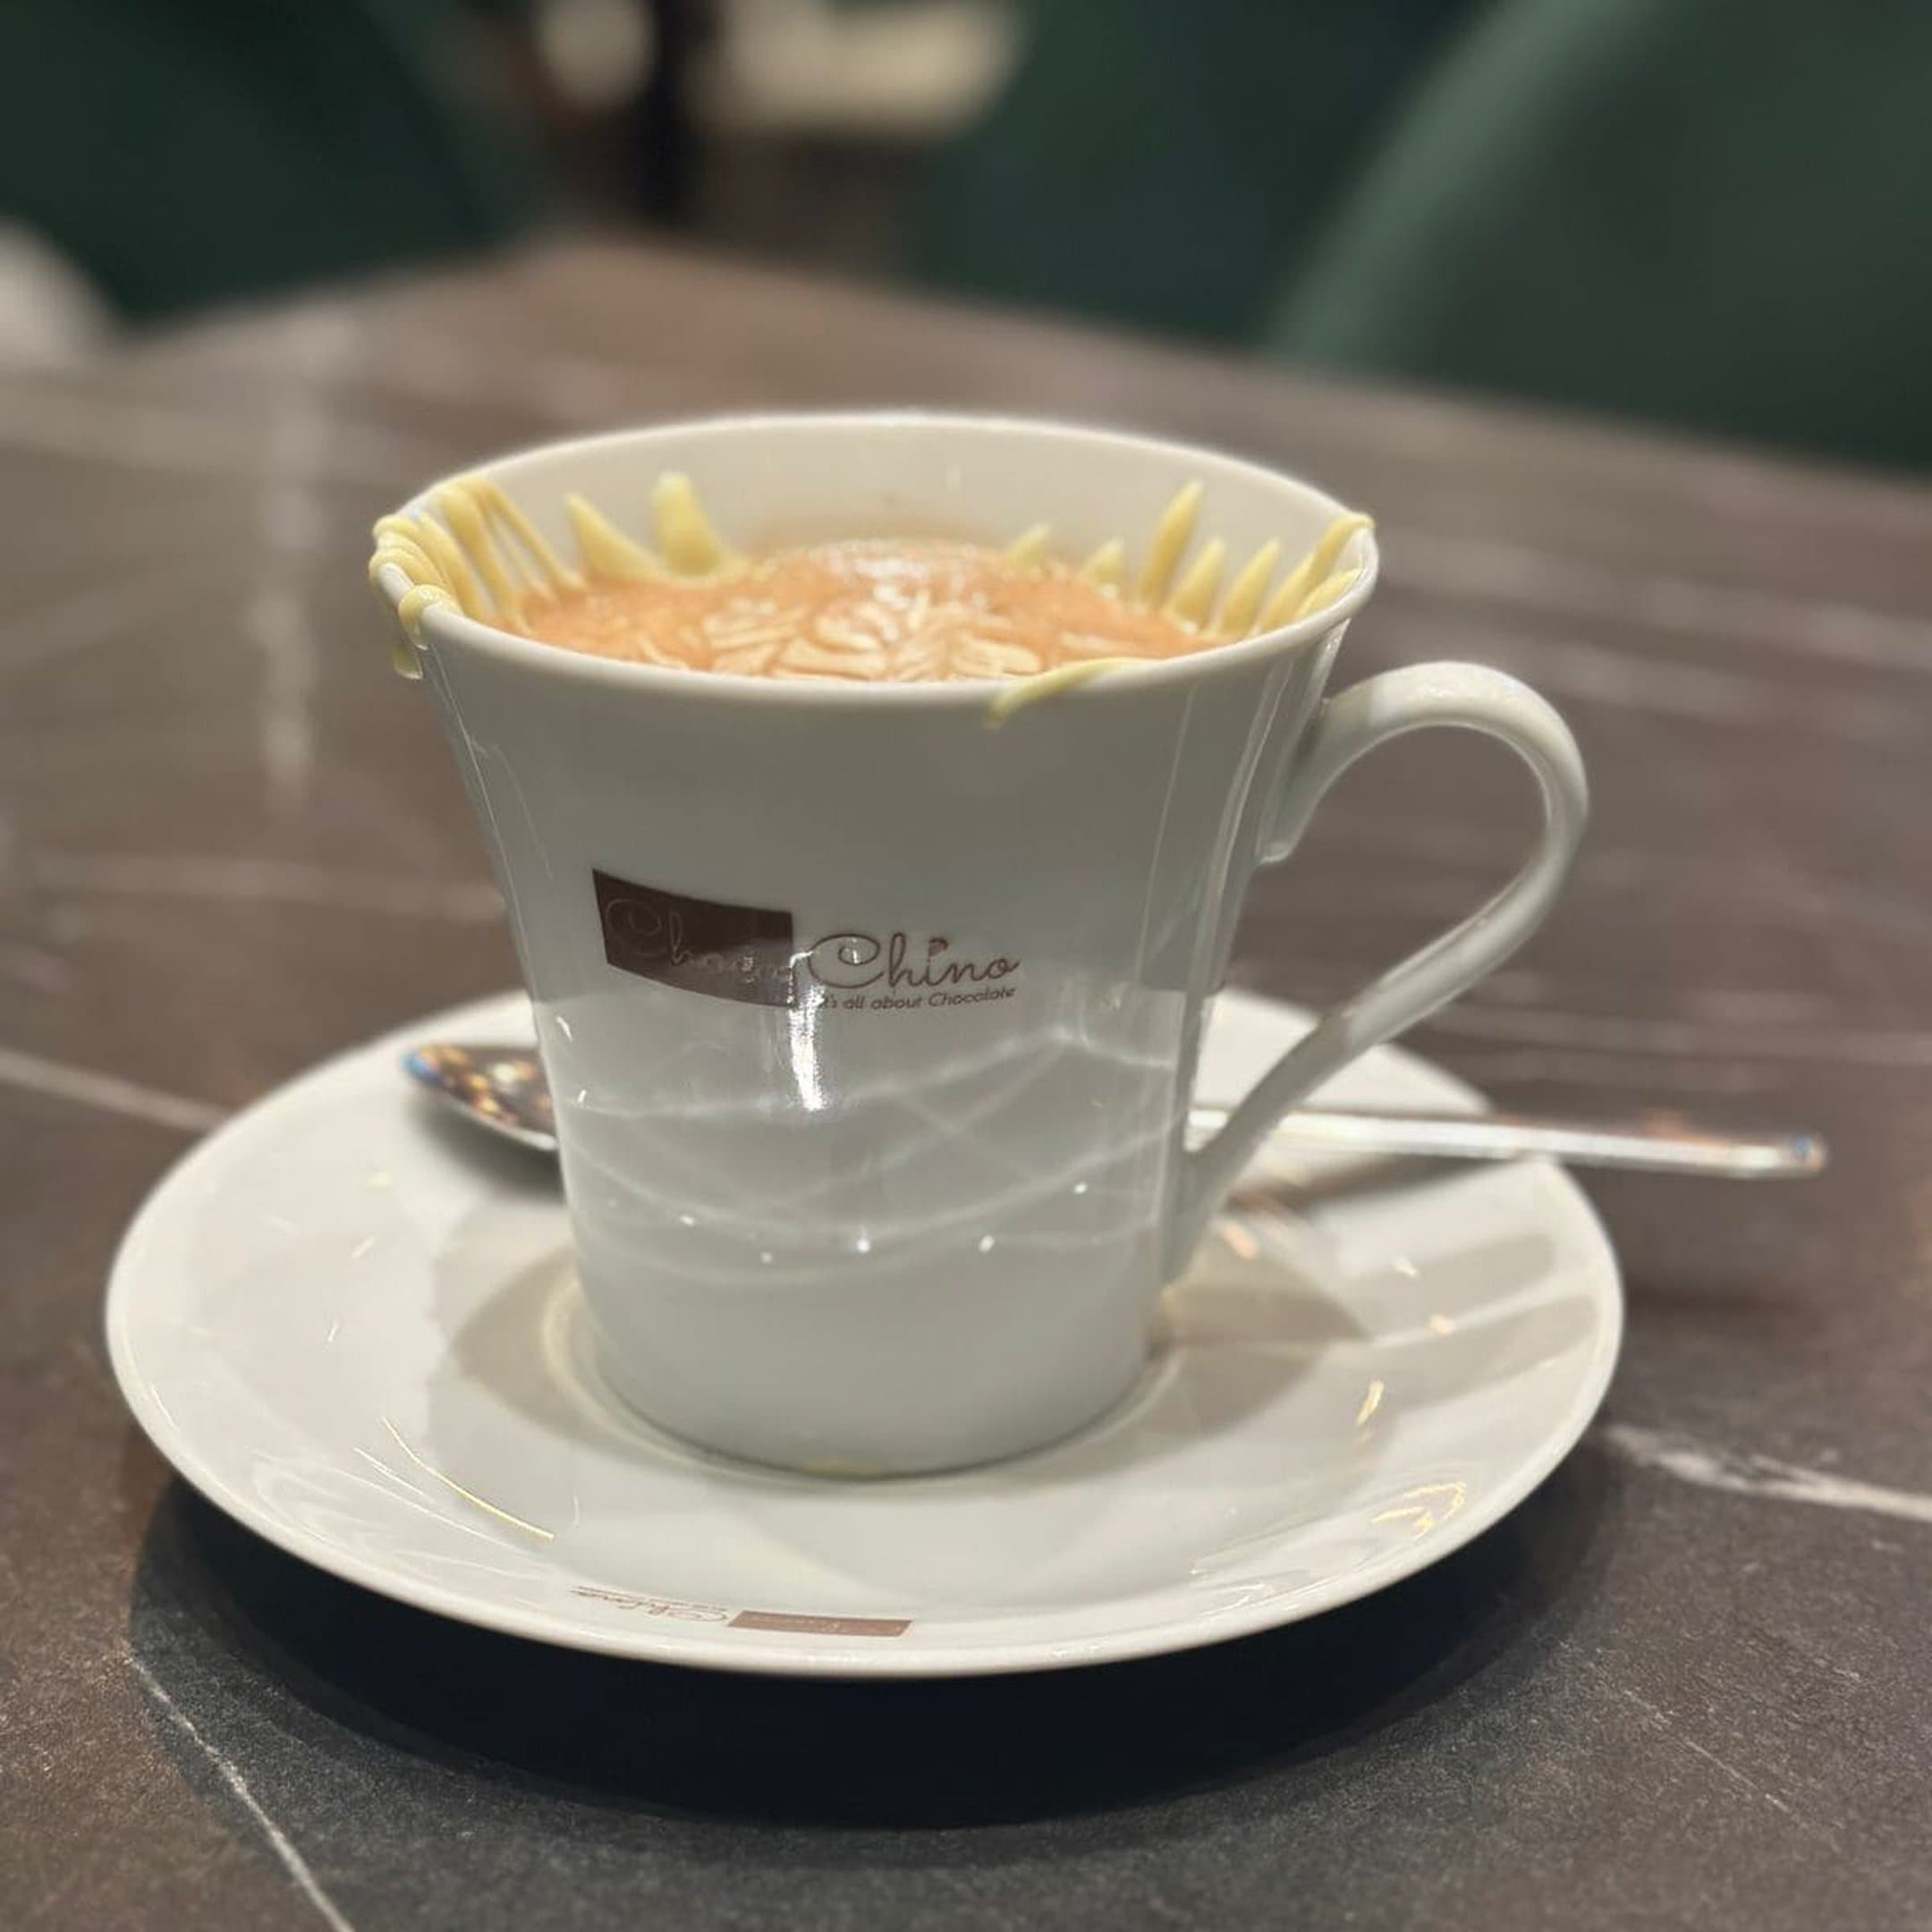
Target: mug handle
1366 715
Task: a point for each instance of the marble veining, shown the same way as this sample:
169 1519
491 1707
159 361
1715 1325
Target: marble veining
107 1093
1740 1473
230 1773
141 435
1543 580
1904 1051
281 881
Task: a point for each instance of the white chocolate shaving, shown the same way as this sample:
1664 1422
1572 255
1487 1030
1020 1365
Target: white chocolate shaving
1108 566
1028 551
1194 595
1047 683
606 551
691 546
1172 536
1244 601
1330 590
1287 604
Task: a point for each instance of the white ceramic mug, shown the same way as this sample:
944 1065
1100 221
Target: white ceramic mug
872 1022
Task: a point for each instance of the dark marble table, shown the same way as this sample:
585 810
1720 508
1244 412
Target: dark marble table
1684 1685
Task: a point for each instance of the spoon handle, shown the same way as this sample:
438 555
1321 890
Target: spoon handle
1660 1143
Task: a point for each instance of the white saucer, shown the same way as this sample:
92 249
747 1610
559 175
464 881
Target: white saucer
352 1326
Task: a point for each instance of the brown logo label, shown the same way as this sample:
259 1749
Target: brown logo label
749 953
731 952
678 1610
822 1626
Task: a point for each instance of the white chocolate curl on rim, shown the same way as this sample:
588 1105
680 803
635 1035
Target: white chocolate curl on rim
481 555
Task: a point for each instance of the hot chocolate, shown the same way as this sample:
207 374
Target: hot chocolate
898 612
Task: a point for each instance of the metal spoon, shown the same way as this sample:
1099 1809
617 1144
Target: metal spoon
504 1089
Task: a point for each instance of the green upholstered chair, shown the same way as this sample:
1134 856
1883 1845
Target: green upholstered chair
1700 210
1708 212
181 151
1158 161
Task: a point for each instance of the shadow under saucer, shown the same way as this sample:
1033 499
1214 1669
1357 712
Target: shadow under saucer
230 1628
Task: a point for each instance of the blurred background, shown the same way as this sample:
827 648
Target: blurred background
1704 213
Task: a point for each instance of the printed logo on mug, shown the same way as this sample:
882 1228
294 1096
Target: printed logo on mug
747 952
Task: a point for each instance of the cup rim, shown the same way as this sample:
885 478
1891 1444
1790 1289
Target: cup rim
445 623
